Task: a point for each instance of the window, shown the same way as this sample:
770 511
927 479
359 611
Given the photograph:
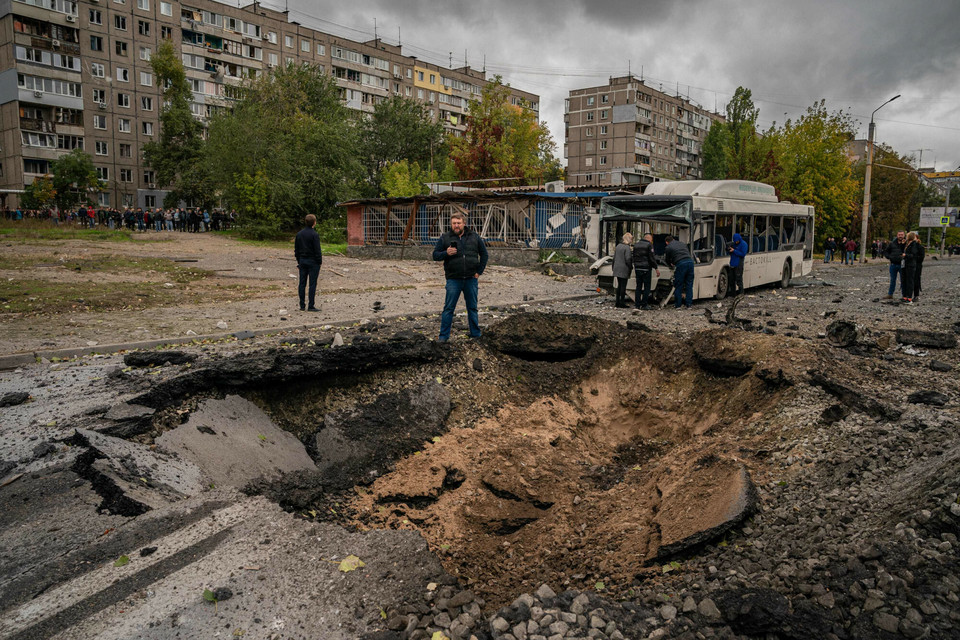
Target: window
145 53
148 176
120 22
433 79
166 32
272 59
123 100
149 201
69 142
99 95
103 198
126 151
35 166
419 94
99 122
420 76
126 175
603 144
146 78
123 75
96 43
305 46
166 9
605 98
97 70
143 27
272 37
603 114
409 74
143 4
589 131
123 125
147 128
96 17
590 101
321 49
101 148
146 103
103 173
288 41
590 116
603 129
121 47
603 160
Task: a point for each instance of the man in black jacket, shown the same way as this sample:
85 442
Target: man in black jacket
309 257
677 256
644 262
464 258
894 253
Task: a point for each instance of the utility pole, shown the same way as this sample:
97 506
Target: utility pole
865 215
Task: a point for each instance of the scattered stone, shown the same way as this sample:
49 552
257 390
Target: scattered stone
943 367
244 335
928 396
13 398
147 551
929 339
708 609
222 325
843 333
337 340
157 358
545 592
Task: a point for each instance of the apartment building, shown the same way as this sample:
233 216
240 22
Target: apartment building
78 75
627 133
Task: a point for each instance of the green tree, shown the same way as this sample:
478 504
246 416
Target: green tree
815 167
742 124
176 155
715 146
400 129
895 193
74 177
292 127
503 140
39 194
405 179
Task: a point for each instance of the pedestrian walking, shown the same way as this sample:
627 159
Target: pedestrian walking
894 253
644 261
464 257
307 251
622 268
737 251
678 257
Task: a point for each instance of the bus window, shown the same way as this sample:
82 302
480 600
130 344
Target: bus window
741 225
773 233
703 241
724 234
758 243
789 232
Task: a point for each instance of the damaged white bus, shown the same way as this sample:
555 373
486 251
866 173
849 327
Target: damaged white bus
704 214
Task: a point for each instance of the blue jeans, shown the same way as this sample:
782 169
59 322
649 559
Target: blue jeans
894 270
683 281
850 256
469 287
827 255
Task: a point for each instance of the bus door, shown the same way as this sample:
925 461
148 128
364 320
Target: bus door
704 252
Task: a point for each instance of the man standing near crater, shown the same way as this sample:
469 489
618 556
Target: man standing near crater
464 258
309 259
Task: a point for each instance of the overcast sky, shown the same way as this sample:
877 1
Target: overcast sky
854 54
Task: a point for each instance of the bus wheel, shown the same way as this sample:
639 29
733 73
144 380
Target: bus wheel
785 275
723 284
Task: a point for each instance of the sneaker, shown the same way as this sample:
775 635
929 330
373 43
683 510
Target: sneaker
888 297
314 309
906 301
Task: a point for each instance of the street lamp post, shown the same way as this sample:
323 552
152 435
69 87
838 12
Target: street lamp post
866 183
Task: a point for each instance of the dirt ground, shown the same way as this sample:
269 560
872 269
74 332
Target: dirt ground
98 292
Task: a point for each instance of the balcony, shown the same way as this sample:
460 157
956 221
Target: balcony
36 124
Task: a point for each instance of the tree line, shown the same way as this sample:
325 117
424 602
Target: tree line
289 146
806 161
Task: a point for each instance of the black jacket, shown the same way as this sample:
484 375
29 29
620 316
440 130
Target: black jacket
307 246
893 252
471 257
912 254
643 257
675 253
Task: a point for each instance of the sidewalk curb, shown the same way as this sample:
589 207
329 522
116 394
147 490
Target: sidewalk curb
14 360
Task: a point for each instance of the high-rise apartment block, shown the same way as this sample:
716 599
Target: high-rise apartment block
627 133
78 75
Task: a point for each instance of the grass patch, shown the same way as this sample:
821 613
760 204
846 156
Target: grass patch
45 296
37 230
174 272
556 257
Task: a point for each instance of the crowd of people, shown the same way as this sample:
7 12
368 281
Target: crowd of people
186 220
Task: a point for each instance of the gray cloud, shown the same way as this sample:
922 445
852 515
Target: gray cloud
855 54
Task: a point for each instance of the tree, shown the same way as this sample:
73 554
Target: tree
895 193
292 138
404 179
74 177
715 146
176 155
742 124
400 129
39 194
503 140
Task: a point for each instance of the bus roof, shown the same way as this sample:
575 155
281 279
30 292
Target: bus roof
733 189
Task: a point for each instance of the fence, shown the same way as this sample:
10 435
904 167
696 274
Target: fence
533 222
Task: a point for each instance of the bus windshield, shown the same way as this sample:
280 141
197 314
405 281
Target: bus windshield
638 216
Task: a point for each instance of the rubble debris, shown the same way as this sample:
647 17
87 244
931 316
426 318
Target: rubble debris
158 358
928 396
14 398
853 397
929 339
844 333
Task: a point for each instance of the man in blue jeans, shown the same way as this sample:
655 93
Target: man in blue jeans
464 258
894 253
677 256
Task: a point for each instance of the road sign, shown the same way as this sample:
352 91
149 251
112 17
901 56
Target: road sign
933 217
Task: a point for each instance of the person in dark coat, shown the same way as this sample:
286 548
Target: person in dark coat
678 257
911 252
644 261
622 268
921 254
738 251
464 257
309 260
